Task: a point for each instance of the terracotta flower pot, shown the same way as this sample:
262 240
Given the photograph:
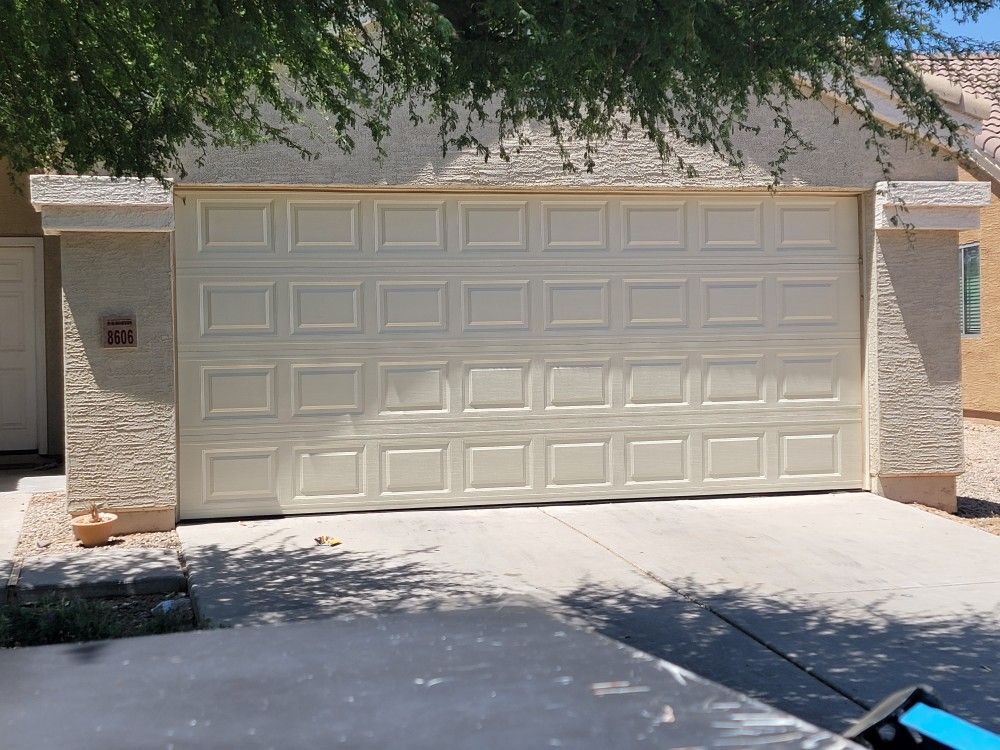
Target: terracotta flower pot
93 533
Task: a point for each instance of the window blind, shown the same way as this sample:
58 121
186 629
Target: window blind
971 291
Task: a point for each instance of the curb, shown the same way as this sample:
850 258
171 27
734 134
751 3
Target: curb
112 576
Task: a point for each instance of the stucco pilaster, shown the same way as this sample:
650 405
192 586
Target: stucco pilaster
120 403
913 343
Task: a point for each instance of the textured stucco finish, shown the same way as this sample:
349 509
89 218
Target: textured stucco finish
981 354
53 346
72 190
120 404
915 410
840 160
17 216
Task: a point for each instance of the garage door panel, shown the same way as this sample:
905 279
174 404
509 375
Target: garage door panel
340 351
301 475
324 227
462 306
463 388
317 226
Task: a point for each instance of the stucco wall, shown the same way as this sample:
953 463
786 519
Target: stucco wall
17 216
54 346
913 354
981 354
414 159
120 437
19 219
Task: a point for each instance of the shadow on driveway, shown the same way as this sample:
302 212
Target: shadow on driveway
864 657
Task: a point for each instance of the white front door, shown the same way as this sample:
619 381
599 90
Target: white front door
18 348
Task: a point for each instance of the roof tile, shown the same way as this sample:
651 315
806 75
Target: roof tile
978 75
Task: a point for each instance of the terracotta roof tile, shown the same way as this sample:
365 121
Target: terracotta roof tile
978 75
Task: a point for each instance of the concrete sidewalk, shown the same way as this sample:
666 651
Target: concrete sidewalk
816 604
12 508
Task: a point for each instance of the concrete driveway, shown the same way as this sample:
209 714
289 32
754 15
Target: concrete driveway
818 604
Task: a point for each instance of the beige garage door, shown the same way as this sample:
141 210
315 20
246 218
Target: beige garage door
345 351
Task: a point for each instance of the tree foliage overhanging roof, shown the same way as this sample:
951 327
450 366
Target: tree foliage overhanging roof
123 86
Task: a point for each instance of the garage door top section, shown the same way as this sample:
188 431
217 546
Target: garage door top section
358 351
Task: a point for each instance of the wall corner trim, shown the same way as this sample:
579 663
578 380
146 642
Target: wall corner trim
929 205
102 204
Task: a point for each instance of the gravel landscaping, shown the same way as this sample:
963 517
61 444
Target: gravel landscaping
979 486
46 529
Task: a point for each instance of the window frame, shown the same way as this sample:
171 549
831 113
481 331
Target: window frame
963 249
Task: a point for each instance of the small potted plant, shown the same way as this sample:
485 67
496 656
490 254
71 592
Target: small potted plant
93 528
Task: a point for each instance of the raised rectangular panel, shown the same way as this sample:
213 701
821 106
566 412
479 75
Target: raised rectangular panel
12 316
656 304
807 301
733 302
411 307
421 386
238 391
501 305
500 226
495 467
329 472
327 389
323 227
734 457
806 225
576 304
496 385
731 226
13 399
662 460
235 227
732 379
406 469
11 270
234 309
653 226
409 226
810 454
808 377
240 474
655 382
575 226
576 384
571 463
326 308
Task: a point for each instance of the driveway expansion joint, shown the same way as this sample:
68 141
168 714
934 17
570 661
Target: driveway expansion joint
719 614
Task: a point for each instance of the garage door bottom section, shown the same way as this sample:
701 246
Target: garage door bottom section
346 352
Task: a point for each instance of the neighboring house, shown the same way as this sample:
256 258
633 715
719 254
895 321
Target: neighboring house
31 420
277 336
980 294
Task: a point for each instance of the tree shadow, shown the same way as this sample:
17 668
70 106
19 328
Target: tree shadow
260 586
866 653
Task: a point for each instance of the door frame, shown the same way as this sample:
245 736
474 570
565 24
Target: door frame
37 244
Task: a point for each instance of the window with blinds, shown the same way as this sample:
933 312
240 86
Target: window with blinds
971 291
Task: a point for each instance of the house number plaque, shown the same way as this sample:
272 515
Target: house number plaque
118 332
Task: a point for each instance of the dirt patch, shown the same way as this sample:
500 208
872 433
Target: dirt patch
69 620
46 529
979 486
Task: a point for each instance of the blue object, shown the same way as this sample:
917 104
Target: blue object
949 730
